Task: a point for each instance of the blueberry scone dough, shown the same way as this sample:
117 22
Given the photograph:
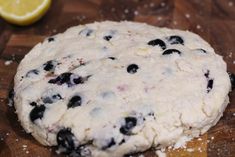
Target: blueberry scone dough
115 88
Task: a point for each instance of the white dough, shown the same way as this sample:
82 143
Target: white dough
168 94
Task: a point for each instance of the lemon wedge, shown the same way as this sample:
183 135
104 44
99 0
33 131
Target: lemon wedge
23 12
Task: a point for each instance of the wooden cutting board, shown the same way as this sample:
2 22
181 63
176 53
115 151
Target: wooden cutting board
214 20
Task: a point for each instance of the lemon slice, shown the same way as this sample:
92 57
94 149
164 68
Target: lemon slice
23 12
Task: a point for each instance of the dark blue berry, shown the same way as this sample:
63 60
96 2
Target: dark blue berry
201 50
11 95
210 85
207 74
37 112
130 123
50 39
49 65
69 79
51 98
171 51
232 79
61 79
32 72
174 39
157 42
151 114
132 68
107 37
33 103
122 141
110 144
112 58
80 80
65 140
86 32
75 101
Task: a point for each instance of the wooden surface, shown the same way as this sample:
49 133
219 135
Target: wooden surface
214 20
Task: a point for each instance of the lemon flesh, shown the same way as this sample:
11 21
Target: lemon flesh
23 12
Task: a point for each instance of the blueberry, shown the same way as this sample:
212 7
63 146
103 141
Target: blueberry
210 85
130 123
49 65
33 103
157 42
86 32
201 50
112 58
110 144
65 140
37 112
107 37
51 98
50 39
69 79
61 79
80 80
75 101
171 51
122 141
151 114
174 39
207 74
132 68
232 79
11 95
32 73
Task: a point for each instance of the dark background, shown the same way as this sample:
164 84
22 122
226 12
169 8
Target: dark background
214 20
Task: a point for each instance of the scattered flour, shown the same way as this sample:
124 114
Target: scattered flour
136 12
24 146
200 149
190 149
151 5
54 30
230 3
199 139
198 27
126 11
175 22
159 18
163 4
113 9
8 62
187 15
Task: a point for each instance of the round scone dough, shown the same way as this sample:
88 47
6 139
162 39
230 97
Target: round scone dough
116 88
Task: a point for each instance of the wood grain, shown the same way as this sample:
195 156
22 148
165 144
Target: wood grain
214 20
